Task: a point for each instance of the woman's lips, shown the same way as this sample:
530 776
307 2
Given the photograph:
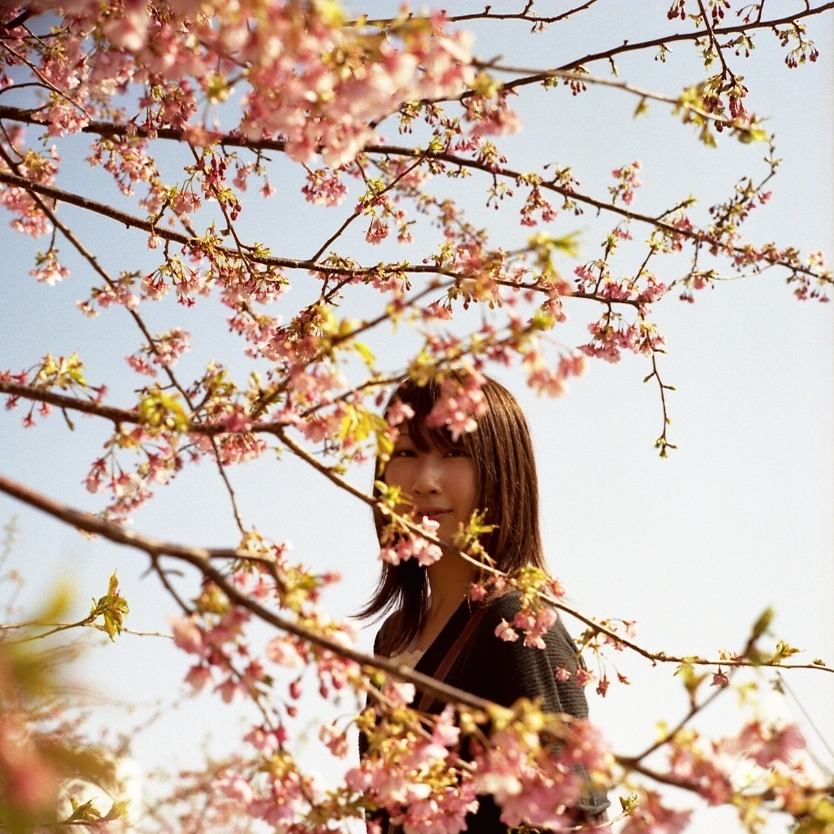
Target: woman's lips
433 515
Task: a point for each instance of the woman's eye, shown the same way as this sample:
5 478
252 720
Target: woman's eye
457 453
403 453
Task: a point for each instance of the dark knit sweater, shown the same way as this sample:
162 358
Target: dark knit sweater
502 672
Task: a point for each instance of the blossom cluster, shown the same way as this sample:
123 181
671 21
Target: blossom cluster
308 79
460 404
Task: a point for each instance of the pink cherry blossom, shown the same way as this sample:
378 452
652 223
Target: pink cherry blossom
187 635
651 817
283 651
506 632
198 677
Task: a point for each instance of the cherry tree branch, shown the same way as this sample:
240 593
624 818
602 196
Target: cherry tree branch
531 76
662 443
201 559
655 657
358 211
119 415
280 432
329 269
530 16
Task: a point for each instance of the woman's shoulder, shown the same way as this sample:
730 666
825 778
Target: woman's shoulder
505 607
499 664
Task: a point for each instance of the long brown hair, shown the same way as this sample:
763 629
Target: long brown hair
507 492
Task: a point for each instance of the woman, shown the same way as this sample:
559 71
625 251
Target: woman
493 470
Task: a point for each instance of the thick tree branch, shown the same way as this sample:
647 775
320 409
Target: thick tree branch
45 395
280 431
201 559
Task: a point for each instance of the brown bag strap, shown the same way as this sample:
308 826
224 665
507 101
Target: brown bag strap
452 655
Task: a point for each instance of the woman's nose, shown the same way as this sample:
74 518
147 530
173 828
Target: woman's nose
427 478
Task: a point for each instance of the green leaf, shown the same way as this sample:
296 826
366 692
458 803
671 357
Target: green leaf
117 810
707 136
112 608
628 803
163 411
365 352
691 680
752 134
783 650
761 625
83 813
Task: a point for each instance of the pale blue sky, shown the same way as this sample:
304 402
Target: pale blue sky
693 548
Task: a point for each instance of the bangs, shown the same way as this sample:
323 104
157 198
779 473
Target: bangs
421 399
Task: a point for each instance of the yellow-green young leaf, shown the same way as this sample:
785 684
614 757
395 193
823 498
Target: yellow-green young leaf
761 625
500 716
824 812
707 137
383 489
163 411
112 608
384 445
72 369
117 810
691 680
326 320
389 496
365 352
330 12
357 423
212 600
542 320
753 134
783 650
113 585
567 244
346 327
484 85
217 88
83 813
816 819
642 108
628 803
422 368
690 97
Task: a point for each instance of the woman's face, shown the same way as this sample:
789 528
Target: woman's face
441 485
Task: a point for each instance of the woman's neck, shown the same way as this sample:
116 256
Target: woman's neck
449 580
